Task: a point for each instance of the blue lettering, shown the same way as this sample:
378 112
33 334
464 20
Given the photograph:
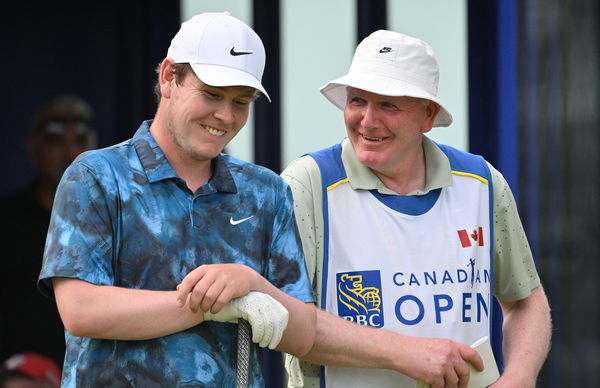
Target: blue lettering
413 280
419 304
447 277
464 277
466 306
486 275
396 281
478 277
414 312
481 303
430 277
439 308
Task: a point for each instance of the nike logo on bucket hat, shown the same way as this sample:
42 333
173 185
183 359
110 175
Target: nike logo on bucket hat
236 53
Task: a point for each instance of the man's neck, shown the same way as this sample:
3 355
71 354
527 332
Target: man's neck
195 173
406 178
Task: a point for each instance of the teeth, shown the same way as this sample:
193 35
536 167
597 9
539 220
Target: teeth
373 138
214 131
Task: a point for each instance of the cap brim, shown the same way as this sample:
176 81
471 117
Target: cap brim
335 91
227 76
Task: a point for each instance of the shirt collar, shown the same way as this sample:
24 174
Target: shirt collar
158 168
361 177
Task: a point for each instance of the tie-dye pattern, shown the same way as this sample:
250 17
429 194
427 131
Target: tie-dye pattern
123 217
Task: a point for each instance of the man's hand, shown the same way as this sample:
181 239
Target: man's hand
210 286
442 362
267 317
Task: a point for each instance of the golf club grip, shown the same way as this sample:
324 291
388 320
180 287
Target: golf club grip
243 353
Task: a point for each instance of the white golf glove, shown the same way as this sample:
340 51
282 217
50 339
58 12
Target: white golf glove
266 315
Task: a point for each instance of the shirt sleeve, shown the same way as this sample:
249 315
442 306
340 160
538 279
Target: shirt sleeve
79 240
304 178
515 274
287 268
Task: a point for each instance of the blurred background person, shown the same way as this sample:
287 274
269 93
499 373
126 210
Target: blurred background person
29 370
29 321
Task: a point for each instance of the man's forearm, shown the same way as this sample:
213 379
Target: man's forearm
342 343
109 312
299 336
527 334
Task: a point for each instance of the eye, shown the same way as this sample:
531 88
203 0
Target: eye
355 100
211 94
242 102
388 105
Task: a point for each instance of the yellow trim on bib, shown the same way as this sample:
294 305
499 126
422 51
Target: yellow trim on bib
479 178
334 185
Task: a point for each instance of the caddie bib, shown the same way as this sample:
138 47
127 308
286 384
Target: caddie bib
416 265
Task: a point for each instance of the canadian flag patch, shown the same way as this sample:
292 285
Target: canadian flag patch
471 237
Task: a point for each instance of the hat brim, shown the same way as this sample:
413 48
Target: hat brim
335 91
220 76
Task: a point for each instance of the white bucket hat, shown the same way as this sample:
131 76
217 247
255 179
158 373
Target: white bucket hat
222 50
391 64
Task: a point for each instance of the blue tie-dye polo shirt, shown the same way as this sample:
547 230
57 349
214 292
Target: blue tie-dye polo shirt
122 217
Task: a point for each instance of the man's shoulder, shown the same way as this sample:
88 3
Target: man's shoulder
251 174
308 164
99 159
463 160
303 170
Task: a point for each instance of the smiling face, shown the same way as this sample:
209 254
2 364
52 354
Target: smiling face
195 121
386 132
202 119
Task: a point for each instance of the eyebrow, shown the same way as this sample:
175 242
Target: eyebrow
251 92
204 84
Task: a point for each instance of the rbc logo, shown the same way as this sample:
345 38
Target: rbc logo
359 297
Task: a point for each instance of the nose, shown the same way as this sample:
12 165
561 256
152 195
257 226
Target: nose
225 113
369 116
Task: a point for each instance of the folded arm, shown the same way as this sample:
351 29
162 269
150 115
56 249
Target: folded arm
210 287
110 312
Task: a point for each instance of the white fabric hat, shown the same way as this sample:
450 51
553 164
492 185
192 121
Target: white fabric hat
391 64
222 50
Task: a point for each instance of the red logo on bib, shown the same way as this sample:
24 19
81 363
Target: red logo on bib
471 237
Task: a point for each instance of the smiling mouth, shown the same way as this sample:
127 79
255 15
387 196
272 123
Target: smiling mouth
371 138
214 131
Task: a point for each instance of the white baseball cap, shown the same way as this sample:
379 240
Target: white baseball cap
222 50
391 64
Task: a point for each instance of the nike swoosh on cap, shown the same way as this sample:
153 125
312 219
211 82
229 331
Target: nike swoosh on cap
236 53
235 222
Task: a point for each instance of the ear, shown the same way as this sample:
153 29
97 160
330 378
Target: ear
431 111
166 77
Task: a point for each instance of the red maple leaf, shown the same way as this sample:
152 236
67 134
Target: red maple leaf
474 235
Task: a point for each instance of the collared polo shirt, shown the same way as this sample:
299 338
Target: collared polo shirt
122 217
